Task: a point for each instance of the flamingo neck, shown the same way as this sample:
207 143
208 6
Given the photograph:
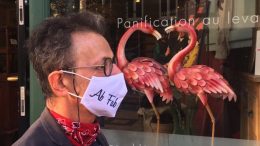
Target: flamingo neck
175 63
122 61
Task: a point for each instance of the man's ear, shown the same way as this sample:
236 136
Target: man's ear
55 79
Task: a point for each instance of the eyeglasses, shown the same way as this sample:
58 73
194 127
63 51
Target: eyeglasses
107 66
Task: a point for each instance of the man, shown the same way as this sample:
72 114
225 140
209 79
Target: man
73 62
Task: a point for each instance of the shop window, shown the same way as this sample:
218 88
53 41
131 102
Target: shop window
121 14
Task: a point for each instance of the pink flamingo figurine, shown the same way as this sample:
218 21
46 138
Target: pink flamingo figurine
144 74
199 80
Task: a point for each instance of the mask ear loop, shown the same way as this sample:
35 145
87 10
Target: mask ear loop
77 101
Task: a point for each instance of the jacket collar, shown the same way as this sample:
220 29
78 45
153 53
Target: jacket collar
56 133
53 129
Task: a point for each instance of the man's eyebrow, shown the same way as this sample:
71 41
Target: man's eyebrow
102 60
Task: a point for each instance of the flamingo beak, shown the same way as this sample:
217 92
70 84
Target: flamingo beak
169 29
156 34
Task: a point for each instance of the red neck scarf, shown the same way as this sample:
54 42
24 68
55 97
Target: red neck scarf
79 134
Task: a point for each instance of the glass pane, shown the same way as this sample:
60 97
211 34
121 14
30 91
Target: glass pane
2 38
225 40
129 138
3 66
163 7
13 63
63 7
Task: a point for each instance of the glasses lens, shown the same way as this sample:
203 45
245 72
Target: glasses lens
108 66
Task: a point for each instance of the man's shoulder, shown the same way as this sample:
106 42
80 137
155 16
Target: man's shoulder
33 136
101 140
45 131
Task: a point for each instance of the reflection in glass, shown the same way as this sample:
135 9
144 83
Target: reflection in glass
63 7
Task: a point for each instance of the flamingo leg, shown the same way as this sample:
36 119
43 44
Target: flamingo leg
213 123
150 95
158 123
157 117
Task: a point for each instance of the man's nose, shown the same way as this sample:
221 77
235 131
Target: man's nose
115 70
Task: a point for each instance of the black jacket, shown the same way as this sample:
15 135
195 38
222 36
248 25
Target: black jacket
47 132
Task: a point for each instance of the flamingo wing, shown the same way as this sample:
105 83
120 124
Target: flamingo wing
200 78
147 74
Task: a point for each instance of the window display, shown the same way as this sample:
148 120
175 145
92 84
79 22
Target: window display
225 37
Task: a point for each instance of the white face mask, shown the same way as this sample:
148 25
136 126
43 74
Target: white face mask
103 95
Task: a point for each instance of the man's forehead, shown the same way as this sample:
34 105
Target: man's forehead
91 46
86 36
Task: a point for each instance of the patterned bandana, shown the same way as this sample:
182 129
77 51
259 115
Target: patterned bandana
79 134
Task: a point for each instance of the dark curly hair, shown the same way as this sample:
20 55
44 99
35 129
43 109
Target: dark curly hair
49 45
